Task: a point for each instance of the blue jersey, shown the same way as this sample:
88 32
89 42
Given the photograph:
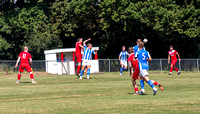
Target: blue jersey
142 56
123 55
87 53
136 48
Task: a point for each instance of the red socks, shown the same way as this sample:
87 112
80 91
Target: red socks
155 83
171 69
78 69
176 69
31 75
136 90
19 76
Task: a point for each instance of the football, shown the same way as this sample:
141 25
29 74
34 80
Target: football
145 40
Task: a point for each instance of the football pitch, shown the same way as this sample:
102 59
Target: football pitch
103 93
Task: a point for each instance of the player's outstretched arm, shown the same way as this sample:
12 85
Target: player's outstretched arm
168 59
84 43
17 62
81 46
178 57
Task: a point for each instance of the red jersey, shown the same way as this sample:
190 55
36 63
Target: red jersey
130 58
25 56
172 54
78 48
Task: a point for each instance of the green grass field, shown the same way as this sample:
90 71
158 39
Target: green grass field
104 93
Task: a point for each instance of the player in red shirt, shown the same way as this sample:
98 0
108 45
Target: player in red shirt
133 64
25 58
172 53
78 54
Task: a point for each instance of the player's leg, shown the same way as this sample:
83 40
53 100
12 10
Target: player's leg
21 70
171 69
19 77
135 86
32 78
122 67
134 77
146 78
176 70
28 69
86 69
141 84
125 65
157 84
79 64
84 63
88 72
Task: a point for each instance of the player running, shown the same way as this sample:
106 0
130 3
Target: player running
25 58
143 58
134 64
137 71
123 59
78 54
86 58
172 53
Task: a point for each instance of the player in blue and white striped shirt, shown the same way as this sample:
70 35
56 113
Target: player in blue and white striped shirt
123 59
87 58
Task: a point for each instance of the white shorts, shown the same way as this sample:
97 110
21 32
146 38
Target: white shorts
144 73
124 63
86 62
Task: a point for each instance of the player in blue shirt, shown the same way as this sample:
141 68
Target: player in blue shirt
136 47
123 59
87 58
143 58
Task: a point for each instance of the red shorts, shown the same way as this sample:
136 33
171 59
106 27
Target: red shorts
78 57
24 65
137 70
173 62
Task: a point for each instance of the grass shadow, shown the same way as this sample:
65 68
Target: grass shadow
25 82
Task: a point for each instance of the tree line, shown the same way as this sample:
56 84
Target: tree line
51 24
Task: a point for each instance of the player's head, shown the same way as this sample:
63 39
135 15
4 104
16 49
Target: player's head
25 48
80 40
123 48
130 50
138 41
171 47
141 45
89 45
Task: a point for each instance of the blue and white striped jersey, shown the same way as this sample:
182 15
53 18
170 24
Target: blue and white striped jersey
87 53
123 55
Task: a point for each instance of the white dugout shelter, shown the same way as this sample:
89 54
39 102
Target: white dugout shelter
62 61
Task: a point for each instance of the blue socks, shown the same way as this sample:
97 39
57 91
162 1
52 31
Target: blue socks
142 84
81 72
121 69
88 72
150 83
